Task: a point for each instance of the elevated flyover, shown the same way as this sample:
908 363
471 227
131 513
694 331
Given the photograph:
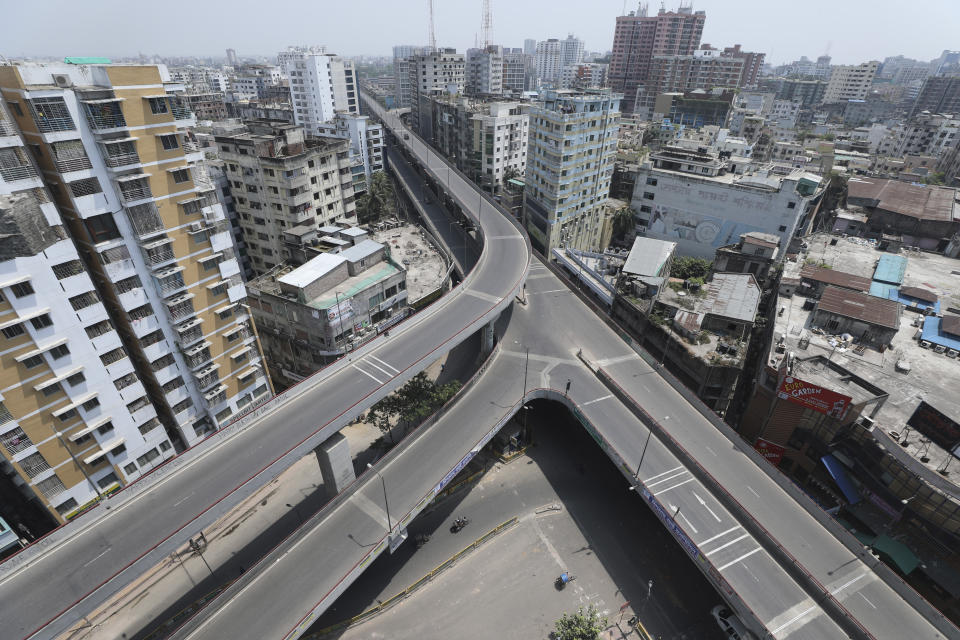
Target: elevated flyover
776 561
50 586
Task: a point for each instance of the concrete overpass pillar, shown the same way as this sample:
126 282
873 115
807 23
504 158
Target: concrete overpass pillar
486 339
336 467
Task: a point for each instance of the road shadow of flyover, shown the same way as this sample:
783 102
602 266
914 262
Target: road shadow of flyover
629 542
312 502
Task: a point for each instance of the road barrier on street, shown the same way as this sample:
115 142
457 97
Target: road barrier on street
386 604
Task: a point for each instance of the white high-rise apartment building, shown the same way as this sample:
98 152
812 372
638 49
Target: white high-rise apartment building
484 71
572 145
67 433
850 82
321 84
402 58
554 54
440 71
161 338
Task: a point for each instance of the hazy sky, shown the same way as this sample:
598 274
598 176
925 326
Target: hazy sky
853 30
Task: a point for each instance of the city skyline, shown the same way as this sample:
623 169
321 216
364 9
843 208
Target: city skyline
750 23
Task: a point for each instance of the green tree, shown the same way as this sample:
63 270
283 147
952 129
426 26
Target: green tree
412 403
378 201
623 223
582 625
686 268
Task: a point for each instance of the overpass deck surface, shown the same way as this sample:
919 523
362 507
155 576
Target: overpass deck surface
304 575
48 588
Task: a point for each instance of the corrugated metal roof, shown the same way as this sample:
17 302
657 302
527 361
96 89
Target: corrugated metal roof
732 295
910 199
860 306
647 256
890 268
834 277
919 293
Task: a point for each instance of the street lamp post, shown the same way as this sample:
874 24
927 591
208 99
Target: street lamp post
646 442
386 503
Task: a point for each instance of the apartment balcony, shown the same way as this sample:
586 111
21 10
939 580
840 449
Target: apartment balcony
182 116
67 165
132 392
185 417
166 374
122 160
133 299
146 325
145 219
156 350
106 342
17 173
158 253
104 115
134 188
177 395
143 414
54 124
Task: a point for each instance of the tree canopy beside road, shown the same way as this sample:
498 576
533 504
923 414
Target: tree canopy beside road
582 625
378 201
411 403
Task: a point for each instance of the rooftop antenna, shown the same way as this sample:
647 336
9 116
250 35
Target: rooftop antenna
433 37
487 24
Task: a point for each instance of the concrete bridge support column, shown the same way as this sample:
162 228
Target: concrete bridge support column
336 467
487 339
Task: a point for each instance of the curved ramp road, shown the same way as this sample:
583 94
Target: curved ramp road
281 596
49 587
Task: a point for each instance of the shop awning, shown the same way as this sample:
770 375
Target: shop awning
839 474
897 552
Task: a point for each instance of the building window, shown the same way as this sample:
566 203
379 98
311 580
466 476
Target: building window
782 227
652 182
51 389
41 322
76 379
791 205
22 289
67 269
169 142
180 176
647 195
102 228
158 105
59 352
90 404
13 331
32 362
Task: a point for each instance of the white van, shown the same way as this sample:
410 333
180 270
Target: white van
730 623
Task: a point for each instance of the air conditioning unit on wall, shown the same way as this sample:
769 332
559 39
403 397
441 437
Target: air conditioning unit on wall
62 80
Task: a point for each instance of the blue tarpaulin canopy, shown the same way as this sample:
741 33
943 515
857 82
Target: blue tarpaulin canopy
839 474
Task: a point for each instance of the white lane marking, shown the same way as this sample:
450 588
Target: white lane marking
674 486
183 499
667 479
711 450
370 508
513 237
379 368
367 374
97 557
550 548
483 296
868 601
849 582
774 632
719 535
608 361
750 489
606 397
704 505
664 473
724 546
752 574
743 557
536 293
693 528
388 366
